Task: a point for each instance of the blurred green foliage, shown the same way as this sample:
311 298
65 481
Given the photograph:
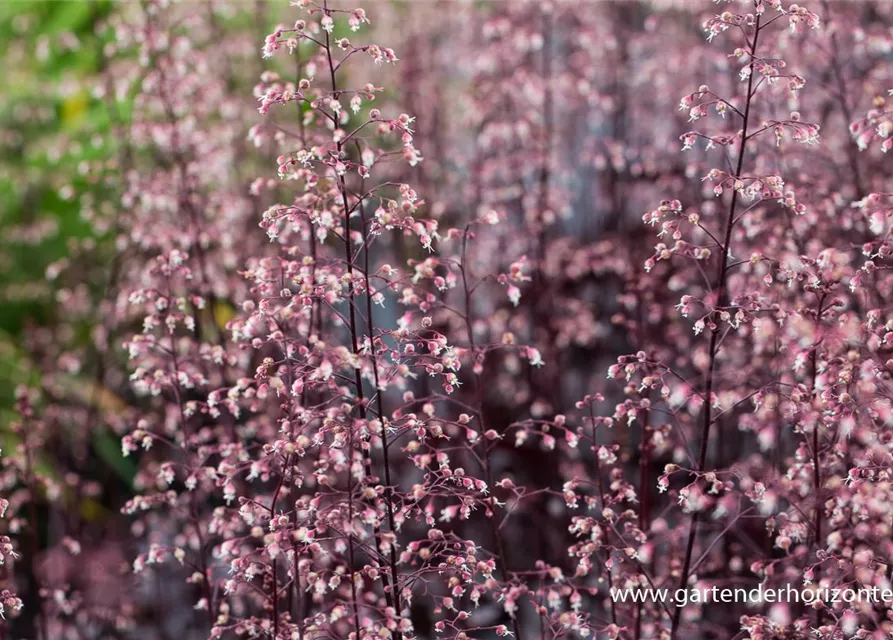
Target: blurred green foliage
51 126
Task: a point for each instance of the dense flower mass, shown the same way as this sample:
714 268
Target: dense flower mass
565 300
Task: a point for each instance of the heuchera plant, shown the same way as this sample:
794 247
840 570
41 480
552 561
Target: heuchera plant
357 374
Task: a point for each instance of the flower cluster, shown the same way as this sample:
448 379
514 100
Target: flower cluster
348 317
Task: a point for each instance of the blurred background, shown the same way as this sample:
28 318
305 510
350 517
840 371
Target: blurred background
565 116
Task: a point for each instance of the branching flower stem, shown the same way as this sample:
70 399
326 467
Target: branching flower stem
722 299
390 579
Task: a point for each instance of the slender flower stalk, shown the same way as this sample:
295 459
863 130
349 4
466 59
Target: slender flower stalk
722 301
330 405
